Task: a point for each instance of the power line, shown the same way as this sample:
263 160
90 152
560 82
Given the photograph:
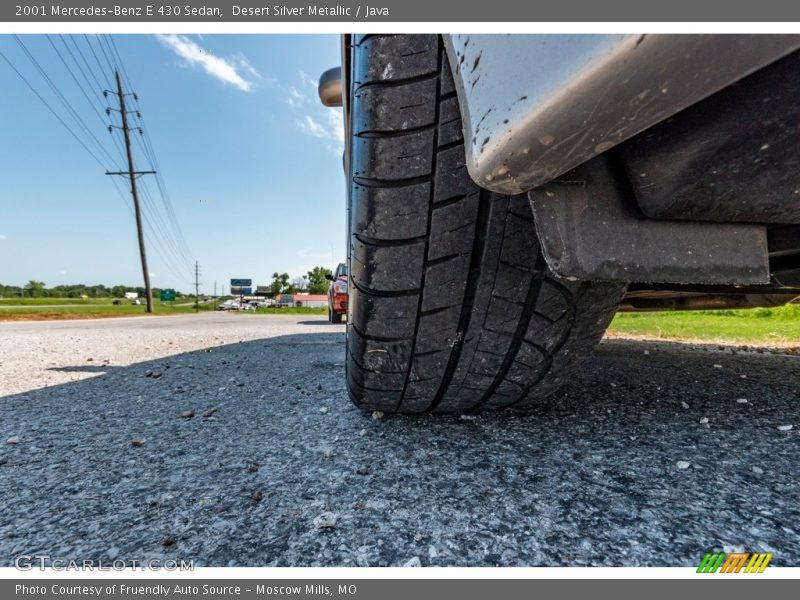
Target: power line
50 108
132 175
97 60
80 86
145 142
66 103
169 242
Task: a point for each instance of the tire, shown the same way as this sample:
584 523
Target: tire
333 316
452 306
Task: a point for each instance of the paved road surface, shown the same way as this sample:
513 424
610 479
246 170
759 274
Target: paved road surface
590 477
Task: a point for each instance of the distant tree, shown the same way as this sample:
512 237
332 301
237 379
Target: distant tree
317 282
35 289
300 284
280 283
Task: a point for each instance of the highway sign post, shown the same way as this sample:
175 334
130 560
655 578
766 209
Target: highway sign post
242 286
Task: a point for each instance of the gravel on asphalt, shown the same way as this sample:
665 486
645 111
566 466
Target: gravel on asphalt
231 437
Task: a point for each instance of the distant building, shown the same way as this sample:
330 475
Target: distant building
307 300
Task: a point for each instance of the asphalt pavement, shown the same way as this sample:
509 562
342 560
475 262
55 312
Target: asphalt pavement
229 440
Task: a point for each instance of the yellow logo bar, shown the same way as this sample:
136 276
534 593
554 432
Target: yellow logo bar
758 563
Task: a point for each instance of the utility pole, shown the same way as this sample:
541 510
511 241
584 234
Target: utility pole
132 174
215 295
196 286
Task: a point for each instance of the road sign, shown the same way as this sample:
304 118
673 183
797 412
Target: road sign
247 291
241 282
236 290
167 295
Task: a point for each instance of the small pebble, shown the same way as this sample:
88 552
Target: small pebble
363 470
168 541
210 412
362 433
13 440
187 414
683 464
684 405
257 496
413 562
323 410
378 414
326 520
758 470
704 420
784 427
717 366
741 400
137 443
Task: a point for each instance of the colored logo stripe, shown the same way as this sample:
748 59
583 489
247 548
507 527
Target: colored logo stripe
758 563
711 562
734 562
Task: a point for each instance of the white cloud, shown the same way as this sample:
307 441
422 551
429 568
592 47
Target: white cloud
311 127
310 253
295 98
329 126
317 121
219 68
242 61
308 80
3 236
336 124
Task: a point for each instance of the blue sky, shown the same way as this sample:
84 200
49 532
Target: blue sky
251 161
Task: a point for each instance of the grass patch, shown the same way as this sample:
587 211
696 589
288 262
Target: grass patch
289 310
54 301
779 325
76 308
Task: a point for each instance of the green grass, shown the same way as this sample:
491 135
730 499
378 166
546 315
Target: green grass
762 325
289 310
54 308
8 301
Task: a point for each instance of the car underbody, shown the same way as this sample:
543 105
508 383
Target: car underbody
706 150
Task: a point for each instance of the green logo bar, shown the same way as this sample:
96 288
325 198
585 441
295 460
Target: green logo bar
711 562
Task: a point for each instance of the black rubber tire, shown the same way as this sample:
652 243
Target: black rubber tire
333 316
452 306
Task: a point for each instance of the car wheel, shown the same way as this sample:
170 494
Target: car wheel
333 316
452 306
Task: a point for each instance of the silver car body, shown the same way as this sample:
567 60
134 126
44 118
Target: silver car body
535 106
